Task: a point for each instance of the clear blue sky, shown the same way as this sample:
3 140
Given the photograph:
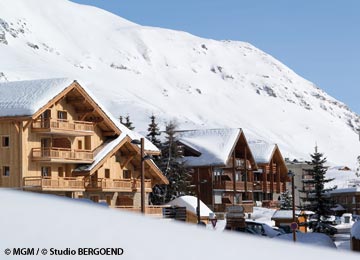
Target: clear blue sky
318 39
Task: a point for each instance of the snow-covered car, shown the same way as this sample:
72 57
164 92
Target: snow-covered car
261 229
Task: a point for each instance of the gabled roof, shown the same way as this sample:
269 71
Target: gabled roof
102 152
215 145
29 98
262 150
109 148
25 98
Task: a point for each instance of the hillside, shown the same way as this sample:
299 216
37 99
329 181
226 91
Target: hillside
202 83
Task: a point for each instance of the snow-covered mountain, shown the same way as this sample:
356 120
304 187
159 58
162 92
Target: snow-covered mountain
202 83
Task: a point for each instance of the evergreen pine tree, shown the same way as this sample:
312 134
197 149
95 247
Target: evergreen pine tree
127 122
286 200
317 199
174 169
154 132
357 172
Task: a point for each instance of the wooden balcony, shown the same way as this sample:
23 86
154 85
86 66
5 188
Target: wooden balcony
63 127
110 185
257 186
149 210
229 186
62 155
239 164
117 185
56 184
137 185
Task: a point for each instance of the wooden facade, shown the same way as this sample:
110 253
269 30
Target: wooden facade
348 198
57 149
229 184
271 178
246 176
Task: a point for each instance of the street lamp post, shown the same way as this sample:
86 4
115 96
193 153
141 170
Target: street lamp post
294 224
142 171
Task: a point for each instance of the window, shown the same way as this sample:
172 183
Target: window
127 174
46 171
62 115
6 171
79 144
5 141
61 171
107 173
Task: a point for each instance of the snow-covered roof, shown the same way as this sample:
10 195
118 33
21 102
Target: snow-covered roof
24 98
346 190
102 151
190 202
215 145
261 150
285 214
355 230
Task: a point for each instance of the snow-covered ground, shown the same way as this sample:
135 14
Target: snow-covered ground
202 83
44 221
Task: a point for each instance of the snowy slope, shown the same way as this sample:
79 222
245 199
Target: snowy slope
61 223
139 70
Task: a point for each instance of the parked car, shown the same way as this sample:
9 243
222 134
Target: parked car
261 229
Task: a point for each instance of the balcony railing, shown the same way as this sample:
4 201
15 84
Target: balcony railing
53 154
121 185
63 126
103 184
137 185
228 185
54 184
240 164
149 210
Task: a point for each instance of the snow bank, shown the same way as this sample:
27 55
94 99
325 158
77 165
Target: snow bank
315 239
45 221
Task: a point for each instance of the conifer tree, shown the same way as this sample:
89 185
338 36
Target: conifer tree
317 197
127 122
174 169
154 132
357 172
286 200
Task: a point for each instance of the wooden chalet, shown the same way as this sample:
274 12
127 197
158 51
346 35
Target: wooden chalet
348 198
223 166
56 138
272 175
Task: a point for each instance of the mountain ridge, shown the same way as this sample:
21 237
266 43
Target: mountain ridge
202 83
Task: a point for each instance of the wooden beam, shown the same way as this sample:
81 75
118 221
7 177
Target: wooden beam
85 110
128 160
27 124
82 117
110 133
76 100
